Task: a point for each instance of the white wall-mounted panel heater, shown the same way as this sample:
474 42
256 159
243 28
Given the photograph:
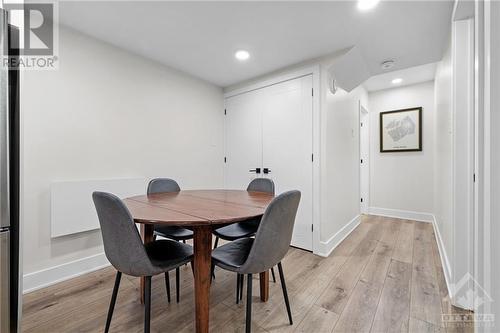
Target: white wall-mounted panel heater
72 208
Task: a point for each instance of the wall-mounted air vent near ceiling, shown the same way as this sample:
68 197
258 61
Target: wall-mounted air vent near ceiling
349 70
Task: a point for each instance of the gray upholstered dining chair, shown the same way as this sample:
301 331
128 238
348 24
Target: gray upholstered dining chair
246 228
126 252
159 185
270 245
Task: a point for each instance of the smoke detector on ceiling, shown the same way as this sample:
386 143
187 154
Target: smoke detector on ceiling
387 64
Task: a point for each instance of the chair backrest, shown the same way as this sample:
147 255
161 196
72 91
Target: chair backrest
274 234
122 244
261 185
158 185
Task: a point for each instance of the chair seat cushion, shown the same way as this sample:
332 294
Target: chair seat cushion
238 230
232 256
172 232
168 254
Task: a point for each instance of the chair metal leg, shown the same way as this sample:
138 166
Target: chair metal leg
285 293
242 284
113 300
212 277
147 304
167 285
212 272
177 283
237 288
248 324
272 273
184 241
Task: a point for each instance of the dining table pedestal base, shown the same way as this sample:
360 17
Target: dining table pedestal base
264 286
202 243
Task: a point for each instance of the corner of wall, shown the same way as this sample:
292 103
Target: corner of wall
402 214
326 247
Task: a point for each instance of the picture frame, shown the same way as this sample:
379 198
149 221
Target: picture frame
401 130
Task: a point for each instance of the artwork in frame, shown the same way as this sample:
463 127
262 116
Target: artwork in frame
401 130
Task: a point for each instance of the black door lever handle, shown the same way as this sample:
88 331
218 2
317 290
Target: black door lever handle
256 170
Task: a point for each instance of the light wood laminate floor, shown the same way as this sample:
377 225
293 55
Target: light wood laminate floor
385 277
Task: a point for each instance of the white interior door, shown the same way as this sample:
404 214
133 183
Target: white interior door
272 128
243 139
287 147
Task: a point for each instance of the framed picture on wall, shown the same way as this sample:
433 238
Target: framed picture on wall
401 130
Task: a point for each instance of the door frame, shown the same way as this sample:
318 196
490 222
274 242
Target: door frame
316 176
486 99
364 189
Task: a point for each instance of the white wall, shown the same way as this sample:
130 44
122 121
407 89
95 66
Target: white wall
462 193
443 165
454 161
402 181
340 161
109 114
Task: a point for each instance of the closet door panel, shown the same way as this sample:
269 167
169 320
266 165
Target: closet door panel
243 127
287 147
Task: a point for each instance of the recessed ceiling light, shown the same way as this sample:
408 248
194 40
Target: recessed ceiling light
242 55
367 4
397 81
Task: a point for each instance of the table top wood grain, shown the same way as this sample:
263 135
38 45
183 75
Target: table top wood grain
197 207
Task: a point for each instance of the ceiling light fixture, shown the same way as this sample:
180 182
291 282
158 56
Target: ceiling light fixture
397 81
242 55
367 4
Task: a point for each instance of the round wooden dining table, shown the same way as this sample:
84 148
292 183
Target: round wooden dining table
200 211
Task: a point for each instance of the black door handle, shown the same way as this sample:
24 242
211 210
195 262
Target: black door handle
256 170
266 170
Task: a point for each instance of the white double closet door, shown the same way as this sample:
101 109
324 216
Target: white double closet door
271 129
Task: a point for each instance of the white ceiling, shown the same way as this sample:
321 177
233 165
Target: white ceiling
417 74
200 38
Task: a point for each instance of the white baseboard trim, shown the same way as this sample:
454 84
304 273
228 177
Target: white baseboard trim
444 258
328 246
402 214
49 276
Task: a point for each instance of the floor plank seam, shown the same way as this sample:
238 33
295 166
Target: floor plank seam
381 290
355 285
332 281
